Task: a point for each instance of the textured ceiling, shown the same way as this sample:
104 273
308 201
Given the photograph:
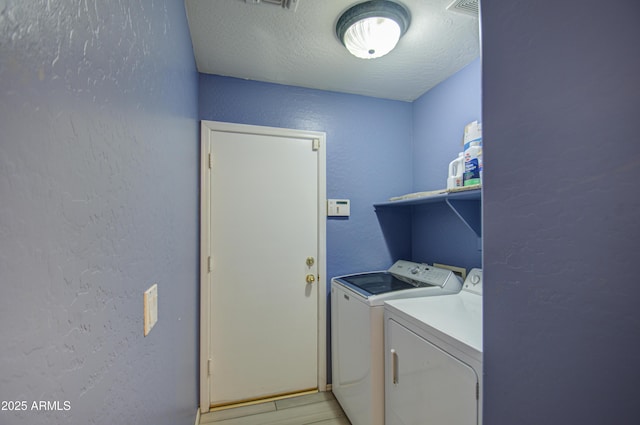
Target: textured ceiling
265 42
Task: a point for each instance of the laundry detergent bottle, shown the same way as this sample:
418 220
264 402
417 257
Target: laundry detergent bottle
473 154
473 164
456 172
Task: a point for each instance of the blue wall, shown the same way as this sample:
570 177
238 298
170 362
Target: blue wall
99 131
439 118
98 145
369 147
375 149
561 96
99 193
368 157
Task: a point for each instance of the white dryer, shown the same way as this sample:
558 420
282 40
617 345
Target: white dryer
433 358
357 322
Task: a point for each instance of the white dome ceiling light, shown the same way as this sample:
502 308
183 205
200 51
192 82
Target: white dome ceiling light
372 29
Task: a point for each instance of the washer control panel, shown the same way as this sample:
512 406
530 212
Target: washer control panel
419 274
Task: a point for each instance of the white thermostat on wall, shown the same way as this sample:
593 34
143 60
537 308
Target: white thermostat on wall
338 207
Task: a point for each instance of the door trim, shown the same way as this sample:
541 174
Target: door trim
206 127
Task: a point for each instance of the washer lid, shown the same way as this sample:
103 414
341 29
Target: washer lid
374 283
403 275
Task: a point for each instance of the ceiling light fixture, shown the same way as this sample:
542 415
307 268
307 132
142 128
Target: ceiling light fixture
372 29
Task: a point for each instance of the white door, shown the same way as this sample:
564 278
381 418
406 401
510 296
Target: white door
264 254
424 384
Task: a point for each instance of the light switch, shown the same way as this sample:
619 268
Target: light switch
338 207
150 308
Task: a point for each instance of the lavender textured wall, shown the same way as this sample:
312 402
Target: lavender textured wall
561 96
368 153
439 117
98 201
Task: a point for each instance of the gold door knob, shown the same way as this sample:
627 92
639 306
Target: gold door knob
311 278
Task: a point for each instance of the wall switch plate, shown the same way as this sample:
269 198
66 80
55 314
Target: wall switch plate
338 207
150 308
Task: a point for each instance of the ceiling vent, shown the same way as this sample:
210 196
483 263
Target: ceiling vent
285 4
468 7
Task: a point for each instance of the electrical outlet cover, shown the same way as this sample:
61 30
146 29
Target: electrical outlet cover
150 308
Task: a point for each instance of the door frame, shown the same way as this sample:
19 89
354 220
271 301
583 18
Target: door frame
206 128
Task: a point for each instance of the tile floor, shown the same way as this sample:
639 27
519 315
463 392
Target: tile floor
318 409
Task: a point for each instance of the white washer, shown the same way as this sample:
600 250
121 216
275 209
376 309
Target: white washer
433 358
357 322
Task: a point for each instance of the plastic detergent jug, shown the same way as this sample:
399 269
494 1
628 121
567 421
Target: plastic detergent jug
456 172
473 154
473 164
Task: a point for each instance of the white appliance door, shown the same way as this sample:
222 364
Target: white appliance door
424 384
